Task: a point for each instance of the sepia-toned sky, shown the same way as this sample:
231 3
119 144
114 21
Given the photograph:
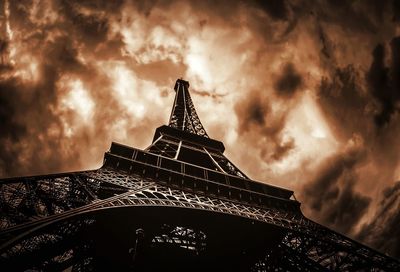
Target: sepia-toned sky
304 94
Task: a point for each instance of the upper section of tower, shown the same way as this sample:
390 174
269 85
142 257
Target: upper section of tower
182 154
183 114
185 139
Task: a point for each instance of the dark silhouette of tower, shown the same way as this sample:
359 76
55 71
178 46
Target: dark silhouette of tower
178 205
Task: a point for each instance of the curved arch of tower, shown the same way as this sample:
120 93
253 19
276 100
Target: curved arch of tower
178 205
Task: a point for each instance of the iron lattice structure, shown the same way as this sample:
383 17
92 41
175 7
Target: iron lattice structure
178 205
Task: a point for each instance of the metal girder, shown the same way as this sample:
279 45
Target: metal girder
305 239
165 148
182 237
225 165
159 195
51 249
28 199
283 258
338 253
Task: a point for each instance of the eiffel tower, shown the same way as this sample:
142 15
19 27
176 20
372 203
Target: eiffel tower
178 205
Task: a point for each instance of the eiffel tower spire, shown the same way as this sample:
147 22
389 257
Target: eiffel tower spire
183 114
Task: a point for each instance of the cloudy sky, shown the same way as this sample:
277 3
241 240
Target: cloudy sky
304 95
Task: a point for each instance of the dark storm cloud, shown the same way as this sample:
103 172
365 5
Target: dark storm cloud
277 9
90 28
26 114
328 176
11 129
61 54
60 42
256 117
282 149
32 135
384 81
344 102
326 44
255 113
288 82
3 51
348 209
331 193
352 16
383 232
396 11
356 102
